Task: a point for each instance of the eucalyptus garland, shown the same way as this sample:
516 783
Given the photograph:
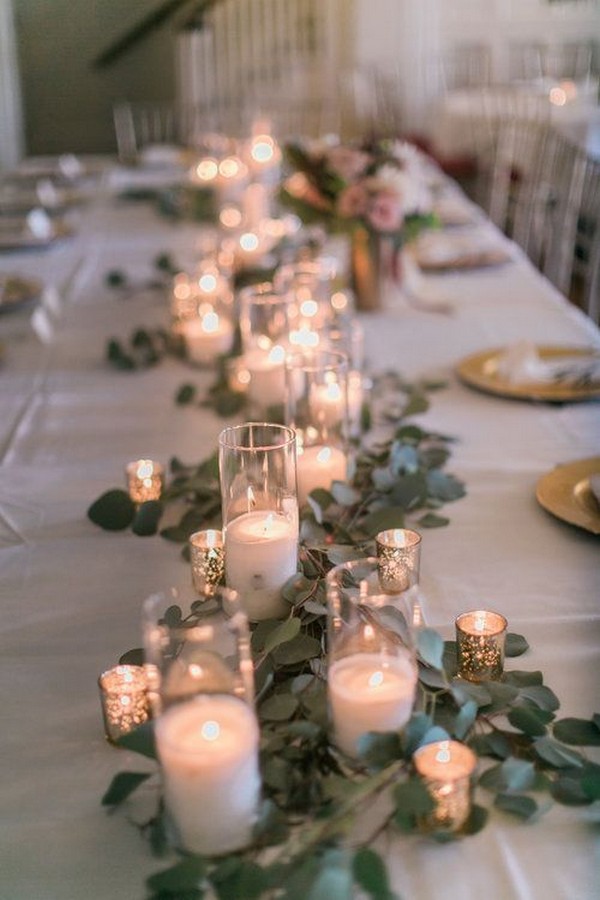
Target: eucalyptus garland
305 841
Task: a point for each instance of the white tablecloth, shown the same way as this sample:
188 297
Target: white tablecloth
71 593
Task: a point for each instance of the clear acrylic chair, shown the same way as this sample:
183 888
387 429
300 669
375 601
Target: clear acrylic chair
586 262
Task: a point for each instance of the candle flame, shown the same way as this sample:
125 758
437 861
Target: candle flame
262 148
277 354
211 537
479 623
207 169
309 308
210 322
249 241
230 217
333 392
399 537
376 679
207 283
324 455
195 670
229 167
443 754
268 523
145 469
211 730
339 301
182 291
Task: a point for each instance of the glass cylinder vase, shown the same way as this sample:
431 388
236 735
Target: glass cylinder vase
316 407
257 469
264 325
207 736
372 672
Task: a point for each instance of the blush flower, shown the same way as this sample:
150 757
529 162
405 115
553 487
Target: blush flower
353 201
384 211
347 162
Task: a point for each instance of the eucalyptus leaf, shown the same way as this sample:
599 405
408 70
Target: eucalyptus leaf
431 647
417 403
299 649
511 775
568 789
140 740
556 754
577 732
409 491
286 631
495 744
477 820
185 394
431 520
517 804
465 719
466 690
590 783
278 708
434 734
412 800
527 721
382 519
418 726
249 880
122 785
340 553
444 486
515 645
114 510
135 657
345 495
147 517
184 876
523 679
379 749
370 874
541 695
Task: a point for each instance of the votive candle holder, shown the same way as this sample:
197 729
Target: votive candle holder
480 639
207 557
399 558
145 480
124 699
446 768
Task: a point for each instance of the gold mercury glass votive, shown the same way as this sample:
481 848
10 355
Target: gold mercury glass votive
447 768
480 637
399 557
207 556
124 699
145 480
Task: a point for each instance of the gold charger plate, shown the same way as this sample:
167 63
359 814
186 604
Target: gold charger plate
469 259
481 371
566 493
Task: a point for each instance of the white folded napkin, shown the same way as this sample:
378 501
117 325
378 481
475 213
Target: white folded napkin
70 166
521 363
47 193
38 224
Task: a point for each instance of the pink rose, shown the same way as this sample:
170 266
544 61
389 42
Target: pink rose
384 211
353 201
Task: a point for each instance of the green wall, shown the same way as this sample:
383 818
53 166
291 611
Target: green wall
67 104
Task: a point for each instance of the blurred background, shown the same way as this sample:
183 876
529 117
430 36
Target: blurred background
328 65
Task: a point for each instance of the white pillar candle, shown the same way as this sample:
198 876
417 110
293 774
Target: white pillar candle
318 467
207 337
327 404
208 748
370 692
261 553
355 401
255 205
267 375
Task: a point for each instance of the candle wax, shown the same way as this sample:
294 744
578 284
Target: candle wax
318 467
267 377
369 692
208 748
261 553
207 337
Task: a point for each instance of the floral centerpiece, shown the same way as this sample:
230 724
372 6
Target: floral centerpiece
376 192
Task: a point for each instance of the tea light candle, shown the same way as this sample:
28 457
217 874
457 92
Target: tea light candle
124 699
370 692
145 480
480 637
208 749
447 768
398 554
327 404
267 375
318 467
261 553
207 557
238 375
207 337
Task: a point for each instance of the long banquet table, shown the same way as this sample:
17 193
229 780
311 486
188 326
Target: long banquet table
71 593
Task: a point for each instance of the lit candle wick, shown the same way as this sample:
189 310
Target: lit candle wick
376 679
210 731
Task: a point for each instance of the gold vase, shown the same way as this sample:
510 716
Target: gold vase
365 263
